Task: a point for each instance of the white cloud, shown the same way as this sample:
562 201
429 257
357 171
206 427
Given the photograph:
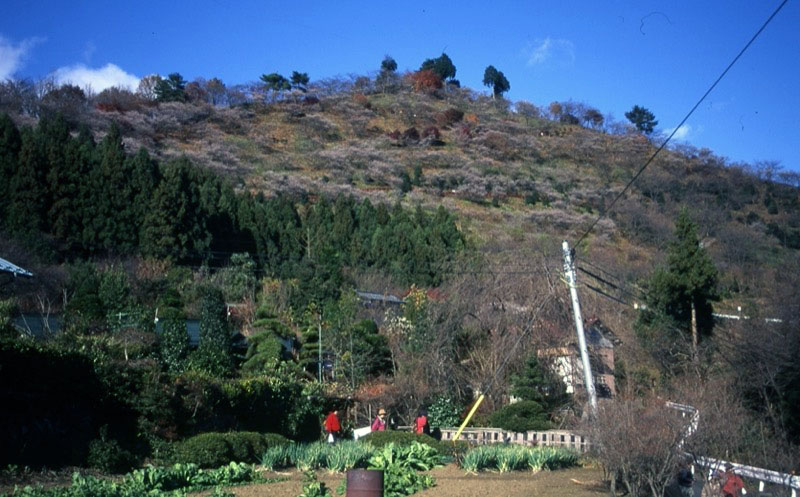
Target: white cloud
684 132
550 50
98 79
12 56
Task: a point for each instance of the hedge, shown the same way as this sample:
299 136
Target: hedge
211 450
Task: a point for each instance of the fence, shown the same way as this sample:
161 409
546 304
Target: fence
548 438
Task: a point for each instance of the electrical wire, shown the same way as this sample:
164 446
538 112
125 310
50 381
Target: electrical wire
664 144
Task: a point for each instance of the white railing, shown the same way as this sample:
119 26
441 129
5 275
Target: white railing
761 475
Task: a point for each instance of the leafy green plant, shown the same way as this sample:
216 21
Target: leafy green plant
174 481
107 455
313 487
400 466
444 412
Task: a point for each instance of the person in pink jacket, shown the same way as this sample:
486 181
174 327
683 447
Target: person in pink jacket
380 422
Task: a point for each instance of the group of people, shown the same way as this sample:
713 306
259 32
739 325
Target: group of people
333 427
725 484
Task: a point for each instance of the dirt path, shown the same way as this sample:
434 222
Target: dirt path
453 482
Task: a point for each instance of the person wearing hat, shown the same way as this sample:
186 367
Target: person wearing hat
732 484
380 422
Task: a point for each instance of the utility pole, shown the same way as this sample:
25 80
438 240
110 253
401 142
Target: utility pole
569 272
319 343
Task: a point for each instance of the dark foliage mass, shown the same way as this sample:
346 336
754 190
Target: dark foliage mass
89 199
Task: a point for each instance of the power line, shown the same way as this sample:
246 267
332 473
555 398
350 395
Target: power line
608 283
664 144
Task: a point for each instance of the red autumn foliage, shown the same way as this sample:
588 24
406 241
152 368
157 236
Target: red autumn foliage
425 81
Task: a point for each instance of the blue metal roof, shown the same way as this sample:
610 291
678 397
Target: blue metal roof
379 297
13 269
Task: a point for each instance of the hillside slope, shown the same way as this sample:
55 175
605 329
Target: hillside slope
519 183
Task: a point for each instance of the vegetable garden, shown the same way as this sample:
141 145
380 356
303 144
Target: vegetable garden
406 469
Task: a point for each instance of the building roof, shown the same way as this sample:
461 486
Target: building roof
8 267
598 335
379 298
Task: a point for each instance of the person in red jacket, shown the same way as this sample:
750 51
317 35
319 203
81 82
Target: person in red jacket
732 484
332 426
421 423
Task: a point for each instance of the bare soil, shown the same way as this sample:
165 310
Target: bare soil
452 481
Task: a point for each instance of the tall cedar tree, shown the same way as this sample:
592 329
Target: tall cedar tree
441 65
689 279
214 353
10 144
496 80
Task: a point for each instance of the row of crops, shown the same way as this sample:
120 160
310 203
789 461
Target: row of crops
514 458
404 468
171 481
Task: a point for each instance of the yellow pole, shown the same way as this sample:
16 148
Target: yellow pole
469 416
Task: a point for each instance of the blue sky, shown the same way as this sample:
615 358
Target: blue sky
607 54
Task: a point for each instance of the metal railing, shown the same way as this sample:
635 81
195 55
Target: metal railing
759 474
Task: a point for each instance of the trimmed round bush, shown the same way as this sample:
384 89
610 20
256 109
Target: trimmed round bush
207 450
249 446
212 450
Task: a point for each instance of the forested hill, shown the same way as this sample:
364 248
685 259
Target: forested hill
515 175
264 208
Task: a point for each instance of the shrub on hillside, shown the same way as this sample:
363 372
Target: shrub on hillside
425 81
117 99
449 117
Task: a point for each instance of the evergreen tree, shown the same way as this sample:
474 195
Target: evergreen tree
73 198
299 81
688 282
171 89
538 384
441 65
144 180
275 82
643 119
173 343
10 144
496 80
114 212
29 195
84 306
265 349
175 225
388 64
214 353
